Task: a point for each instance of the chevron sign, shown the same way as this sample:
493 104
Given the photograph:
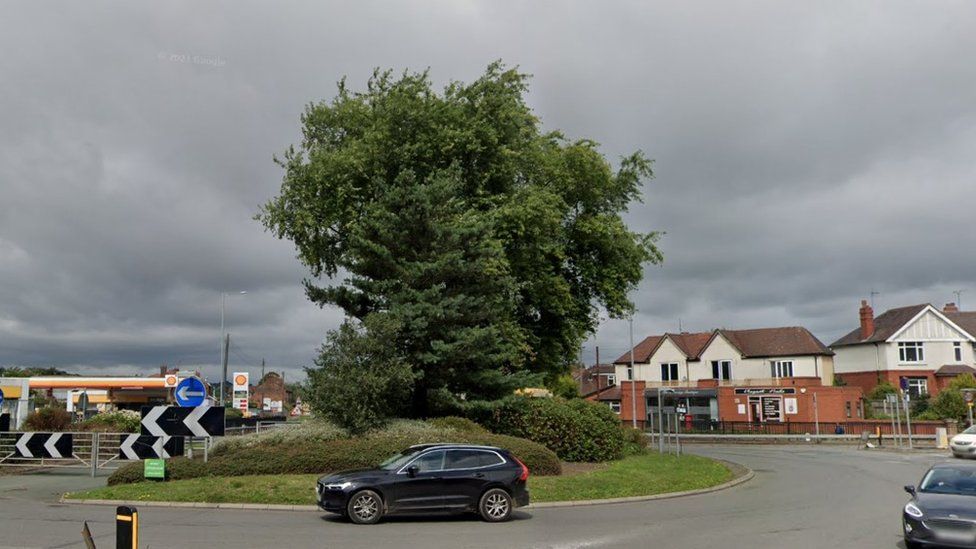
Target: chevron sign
44 445
179 421
149 447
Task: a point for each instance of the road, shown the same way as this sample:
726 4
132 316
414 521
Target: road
801 497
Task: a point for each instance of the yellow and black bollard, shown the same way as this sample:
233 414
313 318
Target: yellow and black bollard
126 527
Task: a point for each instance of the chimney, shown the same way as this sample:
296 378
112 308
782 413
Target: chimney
950 308
867 320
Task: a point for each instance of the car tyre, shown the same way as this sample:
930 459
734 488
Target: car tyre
495 505
365 507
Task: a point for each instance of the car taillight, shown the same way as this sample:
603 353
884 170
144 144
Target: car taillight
525 470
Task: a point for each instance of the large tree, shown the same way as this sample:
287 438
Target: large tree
493 243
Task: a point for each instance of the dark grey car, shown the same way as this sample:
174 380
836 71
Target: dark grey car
942 511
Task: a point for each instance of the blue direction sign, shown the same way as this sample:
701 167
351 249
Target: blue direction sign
191 392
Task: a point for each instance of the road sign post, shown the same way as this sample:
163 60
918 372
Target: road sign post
968 395
191 392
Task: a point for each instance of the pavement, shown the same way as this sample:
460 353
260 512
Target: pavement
804 496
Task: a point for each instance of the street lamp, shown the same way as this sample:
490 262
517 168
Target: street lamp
223 357
633 376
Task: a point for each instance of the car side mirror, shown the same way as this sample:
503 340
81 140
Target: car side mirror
412 471
910 489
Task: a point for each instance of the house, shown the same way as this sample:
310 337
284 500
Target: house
919 344
759 375
596 378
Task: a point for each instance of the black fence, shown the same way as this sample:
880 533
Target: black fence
800 427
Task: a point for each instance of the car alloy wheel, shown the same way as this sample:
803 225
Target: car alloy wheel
365 507
496 505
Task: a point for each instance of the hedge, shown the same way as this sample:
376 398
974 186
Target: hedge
576 430
297 455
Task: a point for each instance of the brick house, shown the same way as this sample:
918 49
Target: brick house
919 344
271 386
761 375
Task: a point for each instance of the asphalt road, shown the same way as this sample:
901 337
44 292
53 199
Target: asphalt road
801 497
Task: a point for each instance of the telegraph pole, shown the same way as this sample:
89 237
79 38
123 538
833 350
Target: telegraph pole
633 377
223 379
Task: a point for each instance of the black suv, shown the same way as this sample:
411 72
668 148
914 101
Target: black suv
430 477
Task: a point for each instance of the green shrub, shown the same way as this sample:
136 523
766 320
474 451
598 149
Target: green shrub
635 441
177 468
462 424
881 390
311 431
232 413
576 430
318 450
49 418
121 421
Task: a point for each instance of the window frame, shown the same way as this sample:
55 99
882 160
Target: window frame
957 351
778 368
921 385
722 370
673 371
403 470
905 346
611 379
614 406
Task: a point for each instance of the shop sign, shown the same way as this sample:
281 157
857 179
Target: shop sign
765 390
789 404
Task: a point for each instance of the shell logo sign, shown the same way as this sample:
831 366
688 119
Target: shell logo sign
170 380
241 391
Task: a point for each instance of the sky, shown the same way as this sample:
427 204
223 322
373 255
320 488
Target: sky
806 154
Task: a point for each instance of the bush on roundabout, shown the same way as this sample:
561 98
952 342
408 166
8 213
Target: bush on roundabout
576 430
295 453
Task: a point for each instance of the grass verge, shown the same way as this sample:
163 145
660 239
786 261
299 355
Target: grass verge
643 475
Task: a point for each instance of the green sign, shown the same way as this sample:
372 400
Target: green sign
154 468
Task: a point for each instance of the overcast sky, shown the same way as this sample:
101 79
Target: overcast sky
805 154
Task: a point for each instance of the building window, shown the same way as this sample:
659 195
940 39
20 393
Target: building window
615 406
782 368
669 371
957 348
847 408
722 369
911 351
611 380
917 386
630 373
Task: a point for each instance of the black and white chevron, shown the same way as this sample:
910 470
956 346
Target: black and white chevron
148 447
178 421
44 445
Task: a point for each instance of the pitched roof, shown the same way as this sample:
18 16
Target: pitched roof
965 320
642 351
954 370
755 343
766 342
885 325
613 393
594 378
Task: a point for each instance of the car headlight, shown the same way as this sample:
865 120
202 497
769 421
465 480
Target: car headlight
913 510
338 486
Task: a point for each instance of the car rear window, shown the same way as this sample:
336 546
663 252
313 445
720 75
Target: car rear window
472 459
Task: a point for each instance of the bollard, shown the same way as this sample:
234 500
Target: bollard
126 527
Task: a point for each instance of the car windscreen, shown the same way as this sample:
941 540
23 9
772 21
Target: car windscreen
947 480
969 431
399 460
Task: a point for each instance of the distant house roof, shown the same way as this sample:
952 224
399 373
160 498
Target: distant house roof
755 343
885 326
594 378
965 320
613 393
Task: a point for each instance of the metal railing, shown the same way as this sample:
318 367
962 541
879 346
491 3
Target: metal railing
804 427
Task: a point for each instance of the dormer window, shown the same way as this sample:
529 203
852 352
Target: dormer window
911 352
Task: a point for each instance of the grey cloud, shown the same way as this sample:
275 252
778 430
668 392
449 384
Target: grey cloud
805 154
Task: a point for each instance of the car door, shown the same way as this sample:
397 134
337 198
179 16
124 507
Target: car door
425 489
464 477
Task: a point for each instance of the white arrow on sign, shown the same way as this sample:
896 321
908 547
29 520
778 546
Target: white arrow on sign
158 447
150 421
49 445
192 421
22 445
127 449
184 392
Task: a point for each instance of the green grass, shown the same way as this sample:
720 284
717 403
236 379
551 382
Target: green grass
644 475
633 476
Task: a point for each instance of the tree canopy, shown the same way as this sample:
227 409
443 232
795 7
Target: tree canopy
491 243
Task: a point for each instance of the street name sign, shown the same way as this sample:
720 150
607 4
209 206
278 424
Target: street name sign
44 445
179 421
148 446
191 392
